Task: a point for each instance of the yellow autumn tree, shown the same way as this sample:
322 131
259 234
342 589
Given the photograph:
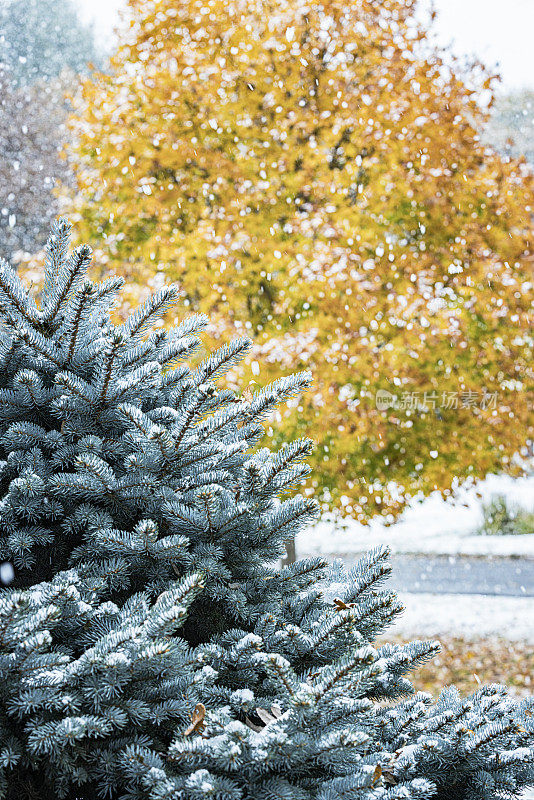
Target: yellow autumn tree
313 172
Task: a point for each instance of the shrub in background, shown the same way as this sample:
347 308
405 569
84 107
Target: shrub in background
500 517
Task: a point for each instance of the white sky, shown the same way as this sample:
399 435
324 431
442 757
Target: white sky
495 31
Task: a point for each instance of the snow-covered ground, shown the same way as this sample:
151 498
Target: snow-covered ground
432 526
469 616
437 527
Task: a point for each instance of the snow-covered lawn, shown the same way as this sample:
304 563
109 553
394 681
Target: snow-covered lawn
467 616
432 526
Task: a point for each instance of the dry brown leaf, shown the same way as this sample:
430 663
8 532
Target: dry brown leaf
341 605
197 719
377 774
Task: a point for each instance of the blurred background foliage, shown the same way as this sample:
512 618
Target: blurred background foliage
44 46
41 38
318 176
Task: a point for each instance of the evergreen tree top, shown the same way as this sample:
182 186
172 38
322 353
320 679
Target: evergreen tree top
110 435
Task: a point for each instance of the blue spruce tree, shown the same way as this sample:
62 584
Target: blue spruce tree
149 649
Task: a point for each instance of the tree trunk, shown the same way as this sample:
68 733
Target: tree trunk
291 551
